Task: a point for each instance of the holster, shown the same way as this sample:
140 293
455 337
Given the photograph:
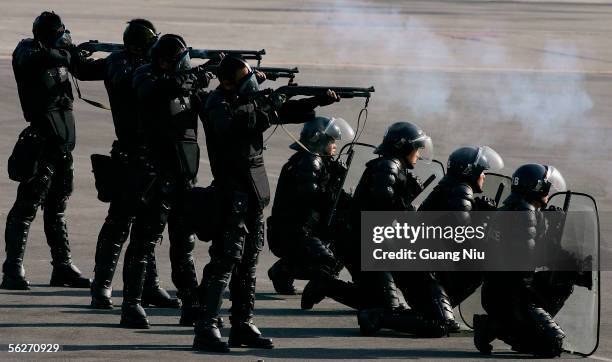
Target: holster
23 163
105 170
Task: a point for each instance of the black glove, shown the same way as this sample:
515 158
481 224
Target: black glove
484 203
327 99
274 101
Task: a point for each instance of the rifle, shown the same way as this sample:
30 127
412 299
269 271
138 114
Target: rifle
215 53
344 92
93 46
271 73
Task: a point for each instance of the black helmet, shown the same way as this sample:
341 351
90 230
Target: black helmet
139 35
48 28
172 49
402 138
318 133
535 181
467 163
229 65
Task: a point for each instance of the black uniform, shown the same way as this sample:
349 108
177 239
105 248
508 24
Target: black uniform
234 137
117 71
456 195
518 312
45 93
297 228
167 104
388 185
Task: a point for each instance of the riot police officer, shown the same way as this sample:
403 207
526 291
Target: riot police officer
298 231
516 314
455 192
117 71
235 117
42 159
168 92
388 185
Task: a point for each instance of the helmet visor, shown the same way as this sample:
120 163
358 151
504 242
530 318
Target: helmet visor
184 61
424 147
489 159
556 180
248 84
339 129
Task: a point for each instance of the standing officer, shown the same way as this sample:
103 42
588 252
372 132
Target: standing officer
235 117
117 71
168 92
42 159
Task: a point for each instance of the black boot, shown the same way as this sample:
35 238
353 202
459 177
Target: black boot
153 295
64 274
281 278
68 275
112 236
483 334
132 313
313 293
190 307
208 338
16 236
246 334
407 321
207 334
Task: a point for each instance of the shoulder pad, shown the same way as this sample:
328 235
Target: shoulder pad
307 161
385 165
462 190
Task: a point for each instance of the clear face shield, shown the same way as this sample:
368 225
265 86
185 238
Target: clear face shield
554 181
424 147
248 84
184 62
489 159
339 132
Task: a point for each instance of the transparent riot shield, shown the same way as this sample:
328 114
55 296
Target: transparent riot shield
430 174
578 313
579 316
358 154
496 187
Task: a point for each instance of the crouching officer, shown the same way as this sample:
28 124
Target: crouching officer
455 192
168 93
388 184
117 71
235 117
42 160
298 232
516 313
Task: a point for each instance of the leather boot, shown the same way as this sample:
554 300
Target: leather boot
64 274
110 241
16 236
281 278
132 313
407 321
207 334
246 334
153 295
